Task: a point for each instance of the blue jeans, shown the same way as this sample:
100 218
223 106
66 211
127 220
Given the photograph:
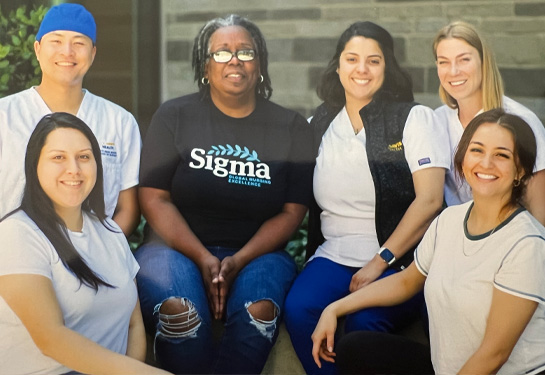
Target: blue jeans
322 282
246 342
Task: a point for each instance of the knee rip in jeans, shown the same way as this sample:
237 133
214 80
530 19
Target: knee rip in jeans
178 318
263 315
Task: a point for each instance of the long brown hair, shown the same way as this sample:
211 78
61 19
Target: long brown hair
523 137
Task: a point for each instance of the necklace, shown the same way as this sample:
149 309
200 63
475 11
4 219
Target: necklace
486 235
484 241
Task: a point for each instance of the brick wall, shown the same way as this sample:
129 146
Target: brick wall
301 37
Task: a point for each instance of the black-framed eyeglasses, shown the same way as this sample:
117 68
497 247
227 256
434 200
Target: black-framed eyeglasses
226 56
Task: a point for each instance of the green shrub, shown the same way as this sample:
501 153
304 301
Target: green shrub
298 244
19 68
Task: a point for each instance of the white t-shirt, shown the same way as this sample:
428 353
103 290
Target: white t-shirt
462 272
344 188
456 192
115 129
101 316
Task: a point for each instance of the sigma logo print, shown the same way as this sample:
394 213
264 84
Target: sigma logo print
108 149
239 164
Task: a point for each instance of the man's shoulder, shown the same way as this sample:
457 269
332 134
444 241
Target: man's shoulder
19 98
98 101
95 108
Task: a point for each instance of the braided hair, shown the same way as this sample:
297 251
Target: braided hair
201 51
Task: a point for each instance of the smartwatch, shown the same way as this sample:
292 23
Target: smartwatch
387 255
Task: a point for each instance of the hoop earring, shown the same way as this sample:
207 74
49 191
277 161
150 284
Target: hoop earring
205 81
261 81
516 183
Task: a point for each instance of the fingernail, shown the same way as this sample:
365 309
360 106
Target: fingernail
330 349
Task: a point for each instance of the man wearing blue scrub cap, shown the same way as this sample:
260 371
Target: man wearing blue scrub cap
65 47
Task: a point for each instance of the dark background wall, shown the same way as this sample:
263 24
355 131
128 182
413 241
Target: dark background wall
126 69
144 46
301 36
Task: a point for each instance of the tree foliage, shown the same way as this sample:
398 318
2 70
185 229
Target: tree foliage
19 68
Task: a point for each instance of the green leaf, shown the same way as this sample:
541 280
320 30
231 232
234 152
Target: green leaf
4 64
4 79
4 51
15 40
20 12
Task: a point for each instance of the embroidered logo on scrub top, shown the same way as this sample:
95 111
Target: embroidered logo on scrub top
396 146
248 171
108 149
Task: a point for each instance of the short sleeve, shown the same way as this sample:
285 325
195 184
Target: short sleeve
132 264
539 133
24 249
423 254
301 163
426 140
160 157
522 271
125 251
130 159
515 108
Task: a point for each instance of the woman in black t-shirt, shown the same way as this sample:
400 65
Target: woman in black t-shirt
225 181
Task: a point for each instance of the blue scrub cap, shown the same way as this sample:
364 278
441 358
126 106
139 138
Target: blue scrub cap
70 17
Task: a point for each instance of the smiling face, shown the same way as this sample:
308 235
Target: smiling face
65 57
459 68
361 70
67 169
234 79
489 164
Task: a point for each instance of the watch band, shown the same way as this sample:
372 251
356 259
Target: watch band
387 256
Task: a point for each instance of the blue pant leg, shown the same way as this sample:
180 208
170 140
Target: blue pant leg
386 319
321 282
166 273
247 342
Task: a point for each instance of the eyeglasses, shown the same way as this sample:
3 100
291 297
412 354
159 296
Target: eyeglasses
226 56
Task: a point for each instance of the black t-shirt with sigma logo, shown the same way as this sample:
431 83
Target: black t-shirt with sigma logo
226 175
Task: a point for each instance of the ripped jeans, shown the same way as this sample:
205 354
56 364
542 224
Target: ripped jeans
245 343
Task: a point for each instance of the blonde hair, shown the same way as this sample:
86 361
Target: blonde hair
492 83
